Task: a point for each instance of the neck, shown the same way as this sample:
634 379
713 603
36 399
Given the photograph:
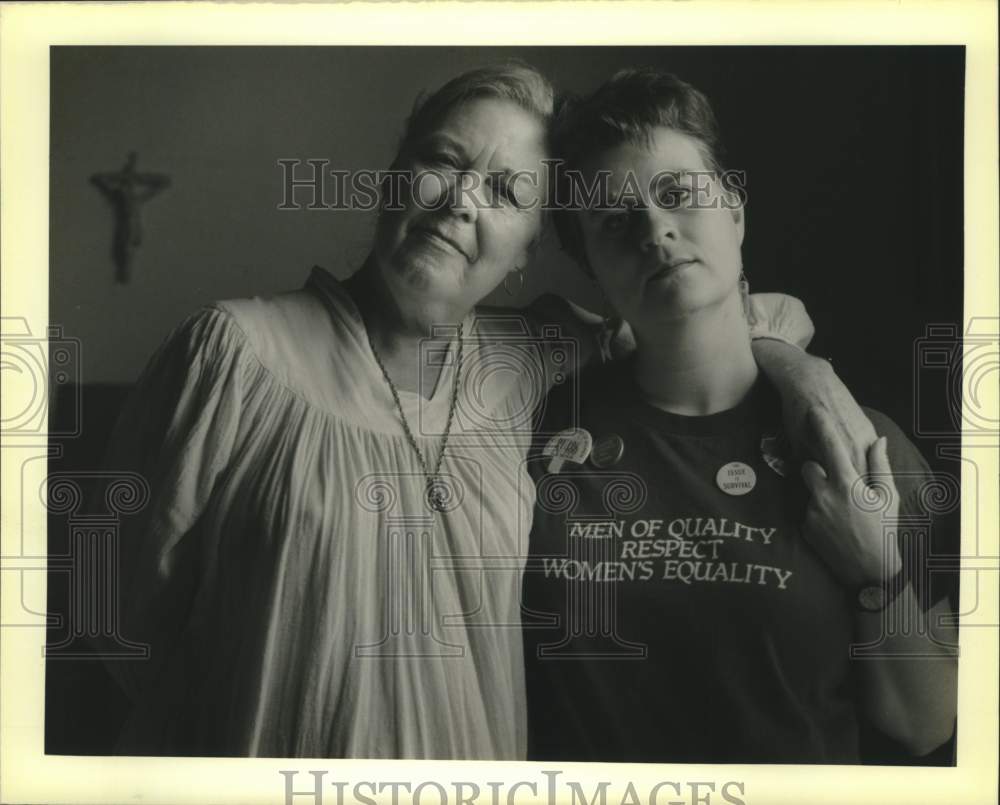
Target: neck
396 330
698 365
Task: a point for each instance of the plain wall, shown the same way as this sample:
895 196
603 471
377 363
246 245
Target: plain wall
853 158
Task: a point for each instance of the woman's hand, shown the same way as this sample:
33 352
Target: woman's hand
847 511
816 405
908 666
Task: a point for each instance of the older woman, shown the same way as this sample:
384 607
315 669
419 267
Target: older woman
329 564
710 605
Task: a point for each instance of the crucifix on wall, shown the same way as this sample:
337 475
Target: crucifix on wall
127 190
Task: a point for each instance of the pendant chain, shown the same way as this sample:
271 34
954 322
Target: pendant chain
435 494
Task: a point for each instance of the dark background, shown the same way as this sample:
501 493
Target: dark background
853 155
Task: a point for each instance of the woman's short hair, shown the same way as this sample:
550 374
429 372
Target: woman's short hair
513 81
626 108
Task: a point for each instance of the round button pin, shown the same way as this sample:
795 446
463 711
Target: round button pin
736 478
608 451
573 444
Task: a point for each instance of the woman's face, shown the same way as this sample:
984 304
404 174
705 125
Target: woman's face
672 246
479 212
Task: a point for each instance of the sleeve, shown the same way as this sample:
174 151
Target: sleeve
782 317
176 430
927 528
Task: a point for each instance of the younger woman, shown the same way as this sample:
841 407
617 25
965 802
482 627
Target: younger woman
692 597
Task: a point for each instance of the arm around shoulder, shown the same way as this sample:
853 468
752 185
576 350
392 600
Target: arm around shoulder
911 680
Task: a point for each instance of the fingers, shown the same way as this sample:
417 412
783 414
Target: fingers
860 436
879 468
814 476
858 458
833 451
878 457
856 429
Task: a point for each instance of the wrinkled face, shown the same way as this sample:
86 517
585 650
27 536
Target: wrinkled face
671 243
480 182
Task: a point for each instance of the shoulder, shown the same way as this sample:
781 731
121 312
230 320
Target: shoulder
206 336
910 469
899 443
275 323
265 326
294 335
929 509
205 322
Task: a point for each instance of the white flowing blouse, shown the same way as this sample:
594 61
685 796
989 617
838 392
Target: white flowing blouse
298 595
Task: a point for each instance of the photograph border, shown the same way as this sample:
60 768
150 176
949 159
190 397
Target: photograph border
26 33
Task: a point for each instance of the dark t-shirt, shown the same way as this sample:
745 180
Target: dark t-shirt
669 620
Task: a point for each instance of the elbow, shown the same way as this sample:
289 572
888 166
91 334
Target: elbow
920 733
927 738
920 724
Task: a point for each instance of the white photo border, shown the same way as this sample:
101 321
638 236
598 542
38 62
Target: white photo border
26 33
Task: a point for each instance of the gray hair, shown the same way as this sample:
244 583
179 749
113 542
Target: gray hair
513 81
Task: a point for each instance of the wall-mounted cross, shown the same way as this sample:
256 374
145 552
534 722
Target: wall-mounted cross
127 190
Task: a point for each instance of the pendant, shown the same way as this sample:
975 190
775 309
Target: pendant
436 495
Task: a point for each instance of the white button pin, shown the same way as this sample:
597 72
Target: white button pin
736 478
573 445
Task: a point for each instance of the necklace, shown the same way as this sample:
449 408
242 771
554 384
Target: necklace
436 492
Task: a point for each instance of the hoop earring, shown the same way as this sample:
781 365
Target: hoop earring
520 282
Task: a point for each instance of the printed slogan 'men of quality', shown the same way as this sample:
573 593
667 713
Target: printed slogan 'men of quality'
688 550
